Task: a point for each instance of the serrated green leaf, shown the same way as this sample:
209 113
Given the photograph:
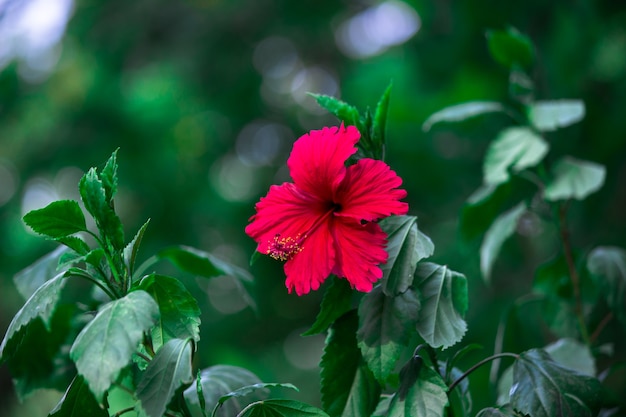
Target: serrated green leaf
282 408
348 386
29 279
406 246
248 389
443 295
75 243
40 305
574 178
58 219
500 230
510 47
337 301
543 388
130 251
385 326
380 119
179 314
463 111
107 343
343 111
78 401
427 396
94 258
515 149
109 177
169 369
607 265
553 114
216 382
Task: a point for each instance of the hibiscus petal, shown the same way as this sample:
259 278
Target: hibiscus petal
286 212
359 250
308 269
369 191
317 161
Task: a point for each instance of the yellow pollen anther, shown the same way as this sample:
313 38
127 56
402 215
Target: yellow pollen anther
284 248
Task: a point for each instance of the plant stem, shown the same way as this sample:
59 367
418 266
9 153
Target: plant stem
478 365
124 411
91 279
596 333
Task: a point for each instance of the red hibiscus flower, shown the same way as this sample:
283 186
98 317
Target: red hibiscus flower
324 222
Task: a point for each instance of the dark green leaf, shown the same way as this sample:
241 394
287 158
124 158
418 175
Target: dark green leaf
216 382
348 386
406 246
34 276
463 111
608 270
168 370
380 118
515 148
248 389
551 115
40 305
109 177
572 354
202 263
58 219
179 316
500 230
510 47
94 258
130 251
107 343
343 111
75 243
425 397
574 178
543 388
78 401
385 326
282 408
444 298
336 302
495 412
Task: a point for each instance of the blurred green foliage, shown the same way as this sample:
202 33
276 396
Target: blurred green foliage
205 97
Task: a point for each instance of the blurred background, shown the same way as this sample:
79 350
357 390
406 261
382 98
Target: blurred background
204 98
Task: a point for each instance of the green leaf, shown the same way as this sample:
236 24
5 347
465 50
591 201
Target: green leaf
282 408
35 275
463 111
215 382
343 111
248 389
337 301
510 47
515 148
500 230
607 265
107 343
495 412
380 118
406 246
543 388
426 396
94 196
202 263
78 401
131 250
385 326
348 386
382 409
40 305
75 243
574 178
551 115
58 219
444 298
109 177
179 314
572 354
169 369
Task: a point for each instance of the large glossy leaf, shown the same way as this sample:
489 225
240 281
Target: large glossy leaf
510 47
40 305
32 277
385 326
424 395
444 298
573 178
107 343
543 388
169 369
348 386
282 408
58 219
553 114
179 314
78 401
515 149
607 265
336 302
500 230
463 111
216 382
406 246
